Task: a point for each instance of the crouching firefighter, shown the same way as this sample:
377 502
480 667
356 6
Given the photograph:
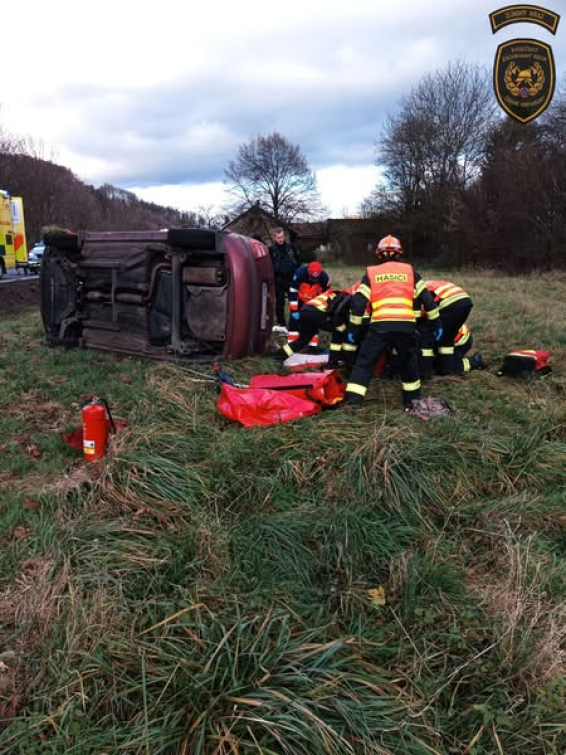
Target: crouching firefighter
309 281
454 305
462 344
329 311
391 288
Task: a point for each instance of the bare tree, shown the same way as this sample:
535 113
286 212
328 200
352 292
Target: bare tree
377 203
209 217
432 150
274 172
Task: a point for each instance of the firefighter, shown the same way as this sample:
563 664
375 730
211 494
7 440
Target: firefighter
309 281
390 286
328 311
462 344
346 353
455 306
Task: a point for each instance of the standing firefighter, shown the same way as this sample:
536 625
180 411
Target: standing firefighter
391 288
454 305
309 281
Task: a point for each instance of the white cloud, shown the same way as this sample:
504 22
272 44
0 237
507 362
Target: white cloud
161 95
342 188
185 197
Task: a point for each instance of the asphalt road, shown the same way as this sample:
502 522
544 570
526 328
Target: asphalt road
14 275
18 293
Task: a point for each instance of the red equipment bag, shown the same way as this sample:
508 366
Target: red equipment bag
326 387
261 406
522 363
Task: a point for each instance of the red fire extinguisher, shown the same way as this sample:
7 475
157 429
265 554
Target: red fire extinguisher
95 428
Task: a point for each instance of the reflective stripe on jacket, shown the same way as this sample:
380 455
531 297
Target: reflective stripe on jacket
462 336
323 300
392 287
446 293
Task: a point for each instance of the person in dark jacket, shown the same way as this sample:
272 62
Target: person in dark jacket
285 261
391 288
309 281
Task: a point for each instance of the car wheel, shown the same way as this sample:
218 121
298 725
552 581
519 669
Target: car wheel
192 238
2 268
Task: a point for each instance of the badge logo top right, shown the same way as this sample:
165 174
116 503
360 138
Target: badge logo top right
524 71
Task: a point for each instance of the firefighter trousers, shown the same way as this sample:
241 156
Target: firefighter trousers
453 317
374 345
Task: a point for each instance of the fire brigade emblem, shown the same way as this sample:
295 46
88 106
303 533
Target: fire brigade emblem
524 77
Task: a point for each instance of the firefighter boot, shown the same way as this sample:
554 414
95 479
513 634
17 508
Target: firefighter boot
477 362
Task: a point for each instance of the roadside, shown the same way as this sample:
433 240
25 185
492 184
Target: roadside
18 294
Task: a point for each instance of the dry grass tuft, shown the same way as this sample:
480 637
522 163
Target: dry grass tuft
34 597
77 479
46 415
530 629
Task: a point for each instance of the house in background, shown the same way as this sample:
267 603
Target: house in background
312 237
348 240
258 222
307 237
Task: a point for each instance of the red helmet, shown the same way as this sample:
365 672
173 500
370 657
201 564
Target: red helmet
389 246
314 270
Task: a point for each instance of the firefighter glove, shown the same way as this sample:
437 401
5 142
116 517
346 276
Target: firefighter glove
350 338
437 330
295 316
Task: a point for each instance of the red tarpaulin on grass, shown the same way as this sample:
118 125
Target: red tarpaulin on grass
261 406
325 387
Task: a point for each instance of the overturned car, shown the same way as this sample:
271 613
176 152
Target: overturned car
177 294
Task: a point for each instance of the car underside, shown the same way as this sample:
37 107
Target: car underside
186 294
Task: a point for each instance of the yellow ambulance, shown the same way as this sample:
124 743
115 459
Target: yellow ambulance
13 247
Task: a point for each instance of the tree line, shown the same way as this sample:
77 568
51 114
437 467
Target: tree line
54 196
462 184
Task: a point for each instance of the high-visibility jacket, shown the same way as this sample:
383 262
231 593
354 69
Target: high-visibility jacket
391 298
323 301
446 293
392 286
302 290
462 336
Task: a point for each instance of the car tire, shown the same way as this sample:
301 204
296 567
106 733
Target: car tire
2 268
60 240
192 238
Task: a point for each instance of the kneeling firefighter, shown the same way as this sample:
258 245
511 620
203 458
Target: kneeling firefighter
454 305
309 281
391 288
329 311
462 344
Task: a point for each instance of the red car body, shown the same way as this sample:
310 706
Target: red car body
188 294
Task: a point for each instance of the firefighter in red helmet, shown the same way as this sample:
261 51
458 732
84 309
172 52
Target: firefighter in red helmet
390 287
309 281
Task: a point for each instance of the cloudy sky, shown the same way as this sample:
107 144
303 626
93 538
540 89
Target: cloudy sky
156 98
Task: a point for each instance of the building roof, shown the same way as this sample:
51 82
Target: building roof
311 231
256 213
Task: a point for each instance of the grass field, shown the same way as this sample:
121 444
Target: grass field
363 583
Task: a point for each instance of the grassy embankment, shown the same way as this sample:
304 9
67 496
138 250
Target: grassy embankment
207 590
